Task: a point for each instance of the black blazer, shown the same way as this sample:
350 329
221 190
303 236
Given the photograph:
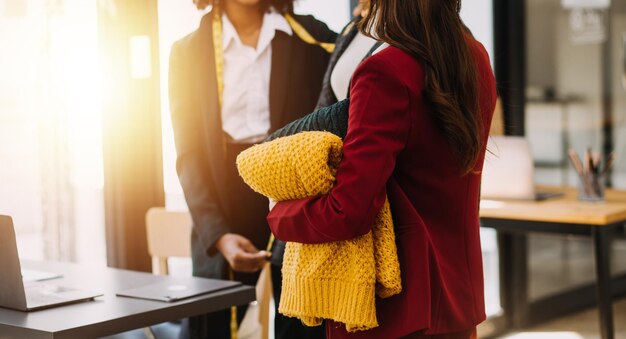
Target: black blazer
295 82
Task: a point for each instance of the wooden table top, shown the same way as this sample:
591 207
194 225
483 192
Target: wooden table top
563 209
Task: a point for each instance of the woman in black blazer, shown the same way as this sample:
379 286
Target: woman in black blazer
229 226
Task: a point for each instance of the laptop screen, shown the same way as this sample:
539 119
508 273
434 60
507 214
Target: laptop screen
508 172
12 293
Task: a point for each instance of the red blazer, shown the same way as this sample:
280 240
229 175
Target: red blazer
394 148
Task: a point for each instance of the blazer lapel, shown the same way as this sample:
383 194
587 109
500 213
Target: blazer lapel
208 98
279 80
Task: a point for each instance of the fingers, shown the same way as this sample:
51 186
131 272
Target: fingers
249 262
241 254
247 245
248 258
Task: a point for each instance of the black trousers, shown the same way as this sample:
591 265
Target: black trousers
216 325
285 327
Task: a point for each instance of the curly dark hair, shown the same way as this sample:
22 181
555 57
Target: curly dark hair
282 6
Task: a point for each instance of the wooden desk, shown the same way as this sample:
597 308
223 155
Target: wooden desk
109 314
563 215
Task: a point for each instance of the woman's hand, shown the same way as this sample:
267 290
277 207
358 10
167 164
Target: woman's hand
241 254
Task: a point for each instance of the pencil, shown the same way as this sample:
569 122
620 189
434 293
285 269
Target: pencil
578 166
609 163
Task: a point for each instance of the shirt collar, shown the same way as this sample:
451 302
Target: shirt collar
272 22
276 21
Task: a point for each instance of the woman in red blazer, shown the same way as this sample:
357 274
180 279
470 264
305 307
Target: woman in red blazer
420 112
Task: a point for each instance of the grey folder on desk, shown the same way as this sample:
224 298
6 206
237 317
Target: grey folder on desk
16 294
175 289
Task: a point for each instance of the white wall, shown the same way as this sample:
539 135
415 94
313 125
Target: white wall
333 12
478 16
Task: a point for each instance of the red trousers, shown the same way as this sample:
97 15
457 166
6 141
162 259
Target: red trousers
468 334
340 333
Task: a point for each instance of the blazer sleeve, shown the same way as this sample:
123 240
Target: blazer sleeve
192 164
318 29
333 119
378 128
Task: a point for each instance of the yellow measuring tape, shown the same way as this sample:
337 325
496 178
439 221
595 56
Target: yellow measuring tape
302 33
219 53
218 47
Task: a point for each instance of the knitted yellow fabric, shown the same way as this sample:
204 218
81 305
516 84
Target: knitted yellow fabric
337 280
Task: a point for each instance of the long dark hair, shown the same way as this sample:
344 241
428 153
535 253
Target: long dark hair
432 32
282 6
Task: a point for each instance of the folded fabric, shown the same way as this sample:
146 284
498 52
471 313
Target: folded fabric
334 119
337 280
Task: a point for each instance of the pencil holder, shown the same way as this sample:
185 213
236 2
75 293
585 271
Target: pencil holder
591 187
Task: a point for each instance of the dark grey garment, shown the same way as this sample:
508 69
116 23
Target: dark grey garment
333 119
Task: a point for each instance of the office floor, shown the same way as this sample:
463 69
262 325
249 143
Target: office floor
582 325
558 263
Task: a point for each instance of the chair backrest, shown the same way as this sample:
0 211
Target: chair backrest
169 235
497 122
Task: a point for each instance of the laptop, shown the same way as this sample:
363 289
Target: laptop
178 288
32 275
28 296
508 171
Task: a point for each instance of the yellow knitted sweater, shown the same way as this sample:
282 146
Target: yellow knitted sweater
337 280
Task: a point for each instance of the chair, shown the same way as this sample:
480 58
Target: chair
497 122
169 235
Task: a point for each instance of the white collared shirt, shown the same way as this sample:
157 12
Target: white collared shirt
245 110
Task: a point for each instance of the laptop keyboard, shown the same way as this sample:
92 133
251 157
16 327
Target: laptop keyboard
37 298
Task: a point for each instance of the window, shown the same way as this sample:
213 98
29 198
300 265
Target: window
50 130
575 99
